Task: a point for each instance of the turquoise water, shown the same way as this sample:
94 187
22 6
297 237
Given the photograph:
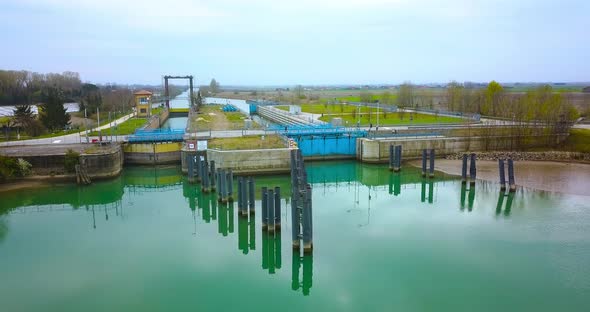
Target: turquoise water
175 123
149 241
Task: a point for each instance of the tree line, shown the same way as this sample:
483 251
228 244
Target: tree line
50 92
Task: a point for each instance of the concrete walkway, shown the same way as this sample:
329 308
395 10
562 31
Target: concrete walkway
79 137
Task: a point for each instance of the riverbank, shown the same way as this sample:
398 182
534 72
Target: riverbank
553 176
36 182
557 156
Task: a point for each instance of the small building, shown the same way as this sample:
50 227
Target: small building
143 103
586 90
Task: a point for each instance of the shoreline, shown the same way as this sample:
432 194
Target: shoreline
35 181
564 177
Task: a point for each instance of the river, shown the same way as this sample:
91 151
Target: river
148 240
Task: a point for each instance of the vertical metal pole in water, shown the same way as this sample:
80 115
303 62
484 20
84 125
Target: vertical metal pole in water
398 158
511 175
307 221
264 192
230 185
424 155
430 192
240 185
198 165
471 197
472 170
502 175
223 184
212 172
432 156
190 168
423 191
391 157
464 169
499 203
277 242
205 179
270 201
244 196
295 223
463 193
277 208
218 182
251 193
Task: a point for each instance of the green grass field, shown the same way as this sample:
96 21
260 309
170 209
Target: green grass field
124 128
392 119
212 117
578 141
329 108
247 142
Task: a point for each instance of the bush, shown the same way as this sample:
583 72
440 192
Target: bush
72 158
8 168
24 167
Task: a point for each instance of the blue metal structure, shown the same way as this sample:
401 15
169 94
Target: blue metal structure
323 140
156 135
229 108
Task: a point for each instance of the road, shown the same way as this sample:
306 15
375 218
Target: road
81 138
78 137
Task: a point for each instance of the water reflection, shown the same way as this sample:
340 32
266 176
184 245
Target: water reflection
430 184
271 251
369 186
247 234
305 264
508 207
395 184
470 196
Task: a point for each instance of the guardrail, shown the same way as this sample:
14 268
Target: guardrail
324 129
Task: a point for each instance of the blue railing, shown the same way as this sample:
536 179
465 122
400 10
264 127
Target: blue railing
320 129
407 135
157 135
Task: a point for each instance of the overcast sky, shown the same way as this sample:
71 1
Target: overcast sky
284 42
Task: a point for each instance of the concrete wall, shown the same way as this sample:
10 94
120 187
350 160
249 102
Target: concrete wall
152 153
377 150
103 165
156 121
252 161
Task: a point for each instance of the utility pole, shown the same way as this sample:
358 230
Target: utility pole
86 124
98 125
378 102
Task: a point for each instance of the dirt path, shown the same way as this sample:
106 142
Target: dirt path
568 178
